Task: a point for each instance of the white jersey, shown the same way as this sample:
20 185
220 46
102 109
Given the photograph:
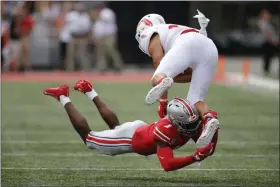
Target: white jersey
168 33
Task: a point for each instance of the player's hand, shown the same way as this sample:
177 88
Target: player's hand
202 20
83 86
162 108
202 153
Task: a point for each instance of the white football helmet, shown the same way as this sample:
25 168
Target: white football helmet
148 21
183 115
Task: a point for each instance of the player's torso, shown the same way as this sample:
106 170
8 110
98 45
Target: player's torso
168 34
144 140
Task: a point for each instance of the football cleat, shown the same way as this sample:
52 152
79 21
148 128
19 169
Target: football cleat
156 92
83 86
58 91
211 125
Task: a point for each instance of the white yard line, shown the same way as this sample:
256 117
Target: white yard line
256 81
40 142
122 185
140 169
38 132
49 154
185 184
80 142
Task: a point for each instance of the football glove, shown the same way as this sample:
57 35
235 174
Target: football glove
202 20
202 153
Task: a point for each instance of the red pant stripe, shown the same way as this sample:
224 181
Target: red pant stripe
108 141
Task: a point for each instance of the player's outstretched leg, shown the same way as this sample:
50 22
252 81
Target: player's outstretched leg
201 80
78 121
106 113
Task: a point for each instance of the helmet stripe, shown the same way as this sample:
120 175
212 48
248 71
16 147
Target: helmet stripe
147 22
189 108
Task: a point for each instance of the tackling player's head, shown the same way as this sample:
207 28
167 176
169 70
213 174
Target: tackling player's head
183 115
148 21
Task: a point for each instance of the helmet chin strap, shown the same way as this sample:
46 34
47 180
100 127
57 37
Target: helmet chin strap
183 131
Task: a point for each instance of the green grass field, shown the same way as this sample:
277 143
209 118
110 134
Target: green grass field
40 147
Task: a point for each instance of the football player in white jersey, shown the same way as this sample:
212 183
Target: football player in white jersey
180 54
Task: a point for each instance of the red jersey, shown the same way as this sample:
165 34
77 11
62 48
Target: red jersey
25 25
145 138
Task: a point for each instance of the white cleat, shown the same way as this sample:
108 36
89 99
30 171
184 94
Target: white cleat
208 133
156 92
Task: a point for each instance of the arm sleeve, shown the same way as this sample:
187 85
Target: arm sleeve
203 31
169 163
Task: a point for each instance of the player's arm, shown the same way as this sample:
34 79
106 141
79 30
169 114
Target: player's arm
156 52
106 113
163 135
167 160
203 22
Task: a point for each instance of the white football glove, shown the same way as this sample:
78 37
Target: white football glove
202 20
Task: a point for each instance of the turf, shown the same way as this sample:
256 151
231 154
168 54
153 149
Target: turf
36 133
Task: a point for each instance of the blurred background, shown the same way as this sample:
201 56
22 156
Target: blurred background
72 36
47 43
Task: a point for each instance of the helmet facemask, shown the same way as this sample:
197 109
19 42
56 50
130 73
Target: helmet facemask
186 128
184 116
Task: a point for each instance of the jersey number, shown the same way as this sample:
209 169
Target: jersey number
168 126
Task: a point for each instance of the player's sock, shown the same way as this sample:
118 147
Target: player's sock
64 100
92 94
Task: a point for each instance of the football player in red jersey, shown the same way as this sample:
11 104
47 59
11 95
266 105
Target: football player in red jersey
181 124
